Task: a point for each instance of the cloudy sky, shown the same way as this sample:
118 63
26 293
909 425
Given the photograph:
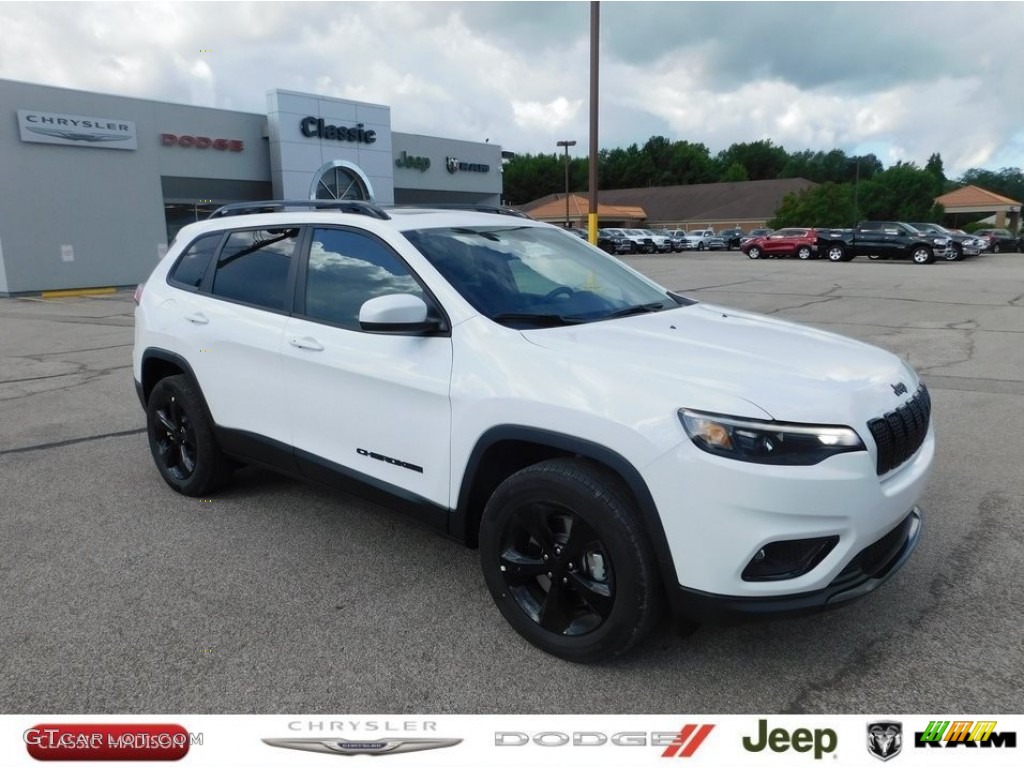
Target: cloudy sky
901 80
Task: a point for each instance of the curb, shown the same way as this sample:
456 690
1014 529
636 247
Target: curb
70 292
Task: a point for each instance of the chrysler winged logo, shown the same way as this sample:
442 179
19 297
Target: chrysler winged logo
885 739
77 136
348 747
899 388
452 164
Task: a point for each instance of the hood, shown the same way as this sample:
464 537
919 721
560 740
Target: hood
699 353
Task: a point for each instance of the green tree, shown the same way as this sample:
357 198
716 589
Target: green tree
934 167
761 159
691 163
826 205
1008 182
735 172
902 192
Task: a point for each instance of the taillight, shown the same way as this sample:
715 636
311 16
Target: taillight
137 297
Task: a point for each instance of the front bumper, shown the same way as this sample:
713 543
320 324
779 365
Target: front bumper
871 568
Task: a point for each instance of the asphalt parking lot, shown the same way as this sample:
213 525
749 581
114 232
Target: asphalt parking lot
119 596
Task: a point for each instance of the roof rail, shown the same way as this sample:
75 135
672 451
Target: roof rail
481 207
273 206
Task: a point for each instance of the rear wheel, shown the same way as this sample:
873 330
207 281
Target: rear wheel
181 438
754 253
836 253
996 248
567 562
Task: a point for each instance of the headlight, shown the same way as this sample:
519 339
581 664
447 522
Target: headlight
767 442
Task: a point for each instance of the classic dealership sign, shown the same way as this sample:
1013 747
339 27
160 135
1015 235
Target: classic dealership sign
316 127
76 130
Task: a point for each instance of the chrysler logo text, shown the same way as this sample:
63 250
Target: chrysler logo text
374 748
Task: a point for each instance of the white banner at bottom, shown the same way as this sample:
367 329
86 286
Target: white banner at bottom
513 741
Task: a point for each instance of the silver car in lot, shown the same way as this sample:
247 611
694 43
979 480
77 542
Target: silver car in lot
961 244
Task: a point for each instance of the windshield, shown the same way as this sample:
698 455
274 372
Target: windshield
527 276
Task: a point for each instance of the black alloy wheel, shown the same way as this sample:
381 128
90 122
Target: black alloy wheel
181 438
567 562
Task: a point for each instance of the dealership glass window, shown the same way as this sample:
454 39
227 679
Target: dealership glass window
192 265
341 183
346 268
178 215
253 267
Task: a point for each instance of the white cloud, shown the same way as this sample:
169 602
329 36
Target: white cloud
914 78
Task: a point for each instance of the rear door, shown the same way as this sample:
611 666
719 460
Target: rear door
232 326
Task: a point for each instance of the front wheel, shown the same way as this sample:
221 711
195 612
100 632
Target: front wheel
754 253
995 248
954 253
922 254
700 246
566 560
803 252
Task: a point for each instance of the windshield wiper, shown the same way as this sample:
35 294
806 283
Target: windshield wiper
539 319
635 309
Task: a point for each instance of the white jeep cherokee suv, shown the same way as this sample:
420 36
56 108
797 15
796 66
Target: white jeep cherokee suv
612 448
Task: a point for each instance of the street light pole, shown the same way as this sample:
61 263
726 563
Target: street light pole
567 144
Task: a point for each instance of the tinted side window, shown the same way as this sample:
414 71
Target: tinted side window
253 267
192 265
346 269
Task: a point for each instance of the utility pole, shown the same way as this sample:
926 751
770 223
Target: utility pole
567 144
595 44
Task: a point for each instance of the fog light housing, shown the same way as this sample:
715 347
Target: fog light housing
788 559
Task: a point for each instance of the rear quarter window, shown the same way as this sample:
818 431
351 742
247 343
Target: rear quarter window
192 266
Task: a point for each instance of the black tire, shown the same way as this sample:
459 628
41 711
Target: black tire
922 254
633 247
874 256
700 246
567 562
754 253
995 248
181 438
836 252
804 253
955 253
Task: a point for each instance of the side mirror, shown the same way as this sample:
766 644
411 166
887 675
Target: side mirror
396 313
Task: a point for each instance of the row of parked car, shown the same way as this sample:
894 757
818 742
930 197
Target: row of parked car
875 239
619 240
921 242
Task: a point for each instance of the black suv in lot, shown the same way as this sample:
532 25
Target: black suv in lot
731 237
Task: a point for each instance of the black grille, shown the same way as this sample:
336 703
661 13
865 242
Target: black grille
900 433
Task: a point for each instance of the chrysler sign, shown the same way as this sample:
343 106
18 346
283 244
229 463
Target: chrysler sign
76 130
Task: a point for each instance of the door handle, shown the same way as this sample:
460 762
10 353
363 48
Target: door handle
198 318
307 342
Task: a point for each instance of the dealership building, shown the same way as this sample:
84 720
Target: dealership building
93 187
